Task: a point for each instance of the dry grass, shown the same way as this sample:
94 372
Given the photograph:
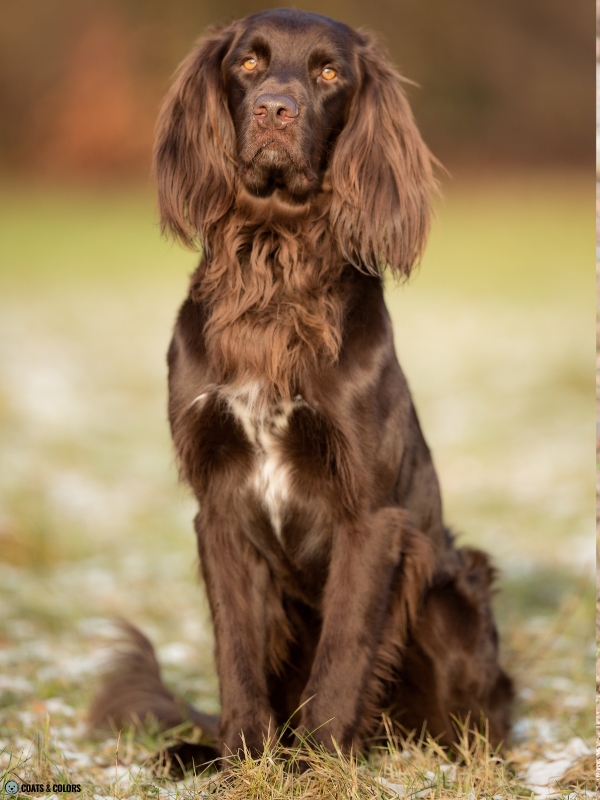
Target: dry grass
126 767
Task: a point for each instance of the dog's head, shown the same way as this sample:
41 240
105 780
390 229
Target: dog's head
290 78
285 109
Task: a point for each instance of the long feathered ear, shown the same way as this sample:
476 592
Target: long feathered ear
194 150
381 173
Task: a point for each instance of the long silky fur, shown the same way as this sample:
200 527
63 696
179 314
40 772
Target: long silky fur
373 212
273 302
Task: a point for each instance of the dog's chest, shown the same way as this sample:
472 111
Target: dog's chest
266 429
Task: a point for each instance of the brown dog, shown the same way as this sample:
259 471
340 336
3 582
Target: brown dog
287 149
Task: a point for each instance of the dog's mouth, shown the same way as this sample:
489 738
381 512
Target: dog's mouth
276 154
273 167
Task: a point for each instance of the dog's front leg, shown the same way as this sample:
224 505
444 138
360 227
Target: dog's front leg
364 559
237 581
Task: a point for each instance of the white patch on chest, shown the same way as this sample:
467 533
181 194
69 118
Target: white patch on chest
265 428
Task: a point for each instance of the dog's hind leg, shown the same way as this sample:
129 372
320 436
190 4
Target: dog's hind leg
449 668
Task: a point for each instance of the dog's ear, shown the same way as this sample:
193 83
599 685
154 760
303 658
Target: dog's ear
381 173
194 150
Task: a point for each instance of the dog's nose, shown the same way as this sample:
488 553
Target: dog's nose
274 110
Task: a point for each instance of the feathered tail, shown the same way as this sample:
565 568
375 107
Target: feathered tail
132 693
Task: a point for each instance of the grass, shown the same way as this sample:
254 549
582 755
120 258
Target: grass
495 336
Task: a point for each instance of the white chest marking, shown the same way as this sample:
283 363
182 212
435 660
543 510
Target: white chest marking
265 428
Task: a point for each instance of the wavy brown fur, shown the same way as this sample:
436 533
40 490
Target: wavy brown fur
275 322
268 276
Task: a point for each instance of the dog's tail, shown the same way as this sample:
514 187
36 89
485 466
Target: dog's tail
132 692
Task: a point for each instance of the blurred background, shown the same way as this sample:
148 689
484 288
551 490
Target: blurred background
495 333
509 83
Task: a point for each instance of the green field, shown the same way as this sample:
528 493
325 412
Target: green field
495 333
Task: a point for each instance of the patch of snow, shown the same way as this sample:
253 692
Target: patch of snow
542 774
15 683
540 729
403 791
176 653
56 705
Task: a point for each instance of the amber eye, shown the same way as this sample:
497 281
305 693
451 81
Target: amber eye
250 64
328 74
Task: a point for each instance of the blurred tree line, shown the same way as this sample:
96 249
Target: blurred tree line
507 83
